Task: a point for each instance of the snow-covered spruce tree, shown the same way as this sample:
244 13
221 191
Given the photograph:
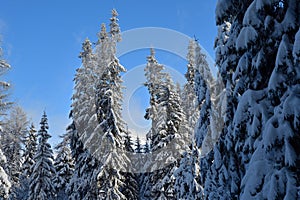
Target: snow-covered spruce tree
257 35
115 168
109 70
14 131
97 121
83 184
203 80
272 172
166 115
155 82
115 72
187 174
187 171
64 167
146 147
258 44
128 144
224 171
189 103
41 185
138 145
28 162
154 79
258 53
83 105
176 138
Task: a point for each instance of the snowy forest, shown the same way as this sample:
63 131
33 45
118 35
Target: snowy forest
233 136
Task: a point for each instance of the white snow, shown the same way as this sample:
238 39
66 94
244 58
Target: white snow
296 48
251 17
247 36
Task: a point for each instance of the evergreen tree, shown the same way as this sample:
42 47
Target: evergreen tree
15 128
203 81
138 145
189 98
146 147
64 167
83 105
83 184
98 125
156 87
111 128
199 81
167 116
41 185
203 132
255 59
276 156
128 144
155 78
223 178
27 166
174 137
115 70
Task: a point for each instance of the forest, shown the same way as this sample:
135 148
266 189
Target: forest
232 136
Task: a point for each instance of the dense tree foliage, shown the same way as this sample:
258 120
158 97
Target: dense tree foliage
230 136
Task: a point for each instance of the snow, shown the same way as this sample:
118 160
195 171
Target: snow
290 19
5 184
251 17
242 67
222 7
256 155
290 154
283 50
247 36
275 80
254 178
272 178
296 48
259 59
291 106
260 4
273 133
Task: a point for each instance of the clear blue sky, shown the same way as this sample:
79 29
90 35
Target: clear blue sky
42 41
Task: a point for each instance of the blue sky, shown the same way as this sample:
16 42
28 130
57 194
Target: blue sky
42 41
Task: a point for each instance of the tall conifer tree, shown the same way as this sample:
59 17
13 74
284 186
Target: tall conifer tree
41 185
